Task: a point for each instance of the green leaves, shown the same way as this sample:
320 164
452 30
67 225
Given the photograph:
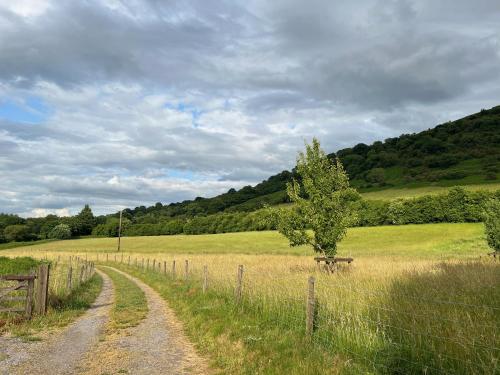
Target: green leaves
321 203
492 223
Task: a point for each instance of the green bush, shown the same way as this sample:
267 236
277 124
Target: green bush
492 223
17 232
60 232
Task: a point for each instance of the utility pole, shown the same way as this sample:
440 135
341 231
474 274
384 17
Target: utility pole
120 230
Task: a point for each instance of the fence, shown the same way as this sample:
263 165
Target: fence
446 320
49 281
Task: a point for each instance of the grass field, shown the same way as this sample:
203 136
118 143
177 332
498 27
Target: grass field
410 192
435 241
418 298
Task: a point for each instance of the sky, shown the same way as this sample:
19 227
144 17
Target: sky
126 103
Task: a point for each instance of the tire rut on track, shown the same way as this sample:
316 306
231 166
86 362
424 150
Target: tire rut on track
157 345
59 352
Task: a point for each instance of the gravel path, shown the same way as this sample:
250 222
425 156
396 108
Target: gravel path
157 345
59 352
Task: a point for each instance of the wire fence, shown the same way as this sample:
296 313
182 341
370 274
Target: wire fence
445 319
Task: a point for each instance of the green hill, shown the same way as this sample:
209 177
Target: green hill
461 152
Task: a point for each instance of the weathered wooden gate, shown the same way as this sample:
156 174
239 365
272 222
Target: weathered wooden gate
10 293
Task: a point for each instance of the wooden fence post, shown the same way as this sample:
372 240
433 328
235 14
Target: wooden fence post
43 288
239 285
154 264
107 257
310 306
69 285
29 299
147 264
164 267
186 269
173 270
205 278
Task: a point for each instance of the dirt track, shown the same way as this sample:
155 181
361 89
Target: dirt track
59 352
156 346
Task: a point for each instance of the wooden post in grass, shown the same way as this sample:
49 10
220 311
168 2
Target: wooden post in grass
154 264
107 257
173 270
69 286
239 284
186 270
310 307
205 278
164 267
43 288
147 264
29 299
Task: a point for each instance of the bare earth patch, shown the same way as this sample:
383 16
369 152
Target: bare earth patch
157 345
58 352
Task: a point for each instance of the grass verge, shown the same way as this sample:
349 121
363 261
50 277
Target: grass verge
130 302
242 341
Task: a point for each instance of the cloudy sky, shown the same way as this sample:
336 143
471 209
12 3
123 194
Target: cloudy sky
126 103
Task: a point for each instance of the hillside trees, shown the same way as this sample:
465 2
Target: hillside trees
322 203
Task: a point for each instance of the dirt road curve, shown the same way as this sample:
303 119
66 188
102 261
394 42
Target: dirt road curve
60 352
156 346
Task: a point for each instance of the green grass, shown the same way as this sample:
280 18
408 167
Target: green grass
416 297
410 192
242 340
419 241
130 302
21 265
434 319
61 311
12 245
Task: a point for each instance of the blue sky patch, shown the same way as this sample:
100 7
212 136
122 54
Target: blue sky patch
33 110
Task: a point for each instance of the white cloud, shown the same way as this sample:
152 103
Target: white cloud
163 101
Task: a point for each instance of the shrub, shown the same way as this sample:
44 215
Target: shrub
60 232
492 223
17 232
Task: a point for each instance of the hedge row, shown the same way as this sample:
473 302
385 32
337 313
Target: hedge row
457 205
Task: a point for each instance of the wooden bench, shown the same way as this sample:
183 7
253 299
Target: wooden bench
330 262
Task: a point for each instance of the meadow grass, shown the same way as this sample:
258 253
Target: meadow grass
418 298
130 305
435 241
411 192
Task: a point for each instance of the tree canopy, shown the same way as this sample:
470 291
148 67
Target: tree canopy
322 199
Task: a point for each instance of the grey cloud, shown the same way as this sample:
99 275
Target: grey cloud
260 76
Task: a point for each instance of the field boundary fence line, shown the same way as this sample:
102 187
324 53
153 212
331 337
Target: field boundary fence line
429 335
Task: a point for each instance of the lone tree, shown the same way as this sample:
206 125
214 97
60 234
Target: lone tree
322 203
